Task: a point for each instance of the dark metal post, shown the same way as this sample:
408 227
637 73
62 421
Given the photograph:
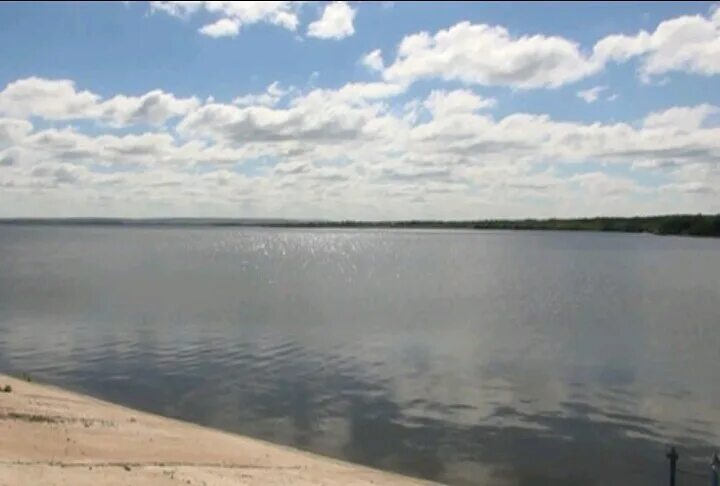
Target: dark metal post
715 466
673 456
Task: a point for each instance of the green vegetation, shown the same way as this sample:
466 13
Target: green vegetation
692 225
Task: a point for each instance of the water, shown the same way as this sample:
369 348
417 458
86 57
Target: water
494 358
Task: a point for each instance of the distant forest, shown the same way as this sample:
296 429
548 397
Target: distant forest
692 225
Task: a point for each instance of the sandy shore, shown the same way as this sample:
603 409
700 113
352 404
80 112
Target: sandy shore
52 436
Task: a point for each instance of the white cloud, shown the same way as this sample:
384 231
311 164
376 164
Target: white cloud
56 174
11 156
686 43
490 55
336 22
350 152
177 9
444 103
373 60
234 15
155 108
51 99
534 139
271 97
591 95
360 150
603 184
686 118
13 130
282 14
321 116
60 100
146 149
690 187
359 92
221 28
621 48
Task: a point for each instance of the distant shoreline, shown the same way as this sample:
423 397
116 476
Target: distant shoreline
681 224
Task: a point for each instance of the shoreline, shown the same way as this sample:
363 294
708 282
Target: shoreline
50 435
698 225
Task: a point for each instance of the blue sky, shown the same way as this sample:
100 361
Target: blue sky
359 110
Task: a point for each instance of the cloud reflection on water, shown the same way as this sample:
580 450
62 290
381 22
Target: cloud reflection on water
507 359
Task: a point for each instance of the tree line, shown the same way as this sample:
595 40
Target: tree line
681 224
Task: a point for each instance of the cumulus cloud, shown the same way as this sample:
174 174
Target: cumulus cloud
232 16
373 149
349 152
604 184
685 118
221 28
591 95
292 168
11 156
336 22
320 116
373 60
443 103
360 92
155 108
415 173
57 174
490 55
270 97
686 43
177 9
352 121
12 130
534 139
51 99
234 125
59 99
131 150
689 187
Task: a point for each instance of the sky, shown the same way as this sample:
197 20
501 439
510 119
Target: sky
359 110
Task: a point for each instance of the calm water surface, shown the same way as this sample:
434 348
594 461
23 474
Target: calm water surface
493 358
